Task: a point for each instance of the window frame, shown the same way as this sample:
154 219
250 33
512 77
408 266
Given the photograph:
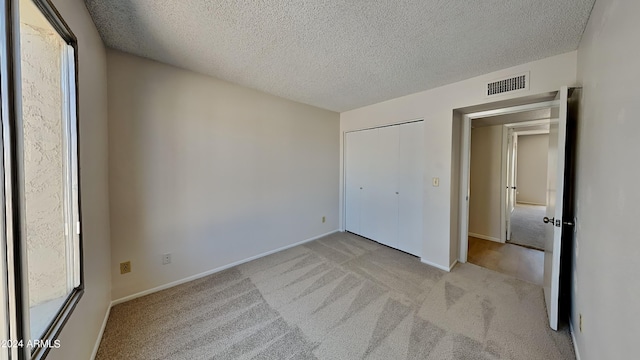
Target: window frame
13 250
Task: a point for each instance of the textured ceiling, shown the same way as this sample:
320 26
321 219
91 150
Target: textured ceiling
341 54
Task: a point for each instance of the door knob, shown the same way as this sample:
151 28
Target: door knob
546 220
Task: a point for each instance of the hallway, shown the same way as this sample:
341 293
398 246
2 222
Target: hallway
527 228
517 261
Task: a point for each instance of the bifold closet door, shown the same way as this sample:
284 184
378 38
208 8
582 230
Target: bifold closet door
382 209
383 189
411 178
353 164
358 163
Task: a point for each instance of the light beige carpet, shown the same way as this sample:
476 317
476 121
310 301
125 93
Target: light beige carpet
339 297
527 227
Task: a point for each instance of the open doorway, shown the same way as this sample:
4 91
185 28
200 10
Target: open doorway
507 193
558 218
527 162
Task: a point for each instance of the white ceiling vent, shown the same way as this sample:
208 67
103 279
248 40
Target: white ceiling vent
509 85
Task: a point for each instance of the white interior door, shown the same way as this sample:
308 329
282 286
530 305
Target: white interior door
411 165
557 170
514 175
514 188
511 179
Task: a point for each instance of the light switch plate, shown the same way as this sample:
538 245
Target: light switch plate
436 181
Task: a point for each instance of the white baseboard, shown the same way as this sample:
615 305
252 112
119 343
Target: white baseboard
101 332
441 267
573 339
453 264
530 203
212 271
485 237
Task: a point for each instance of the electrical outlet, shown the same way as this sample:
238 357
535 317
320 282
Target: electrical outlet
125 267
324 219
166 259
580 324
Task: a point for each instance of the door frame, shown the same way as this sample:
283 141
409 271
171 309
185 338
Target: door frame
510 138
465 170
509 170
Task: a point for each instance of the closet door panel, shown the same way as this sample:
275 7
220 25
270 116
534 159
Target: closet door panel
385 186
353 150
411 178
369 197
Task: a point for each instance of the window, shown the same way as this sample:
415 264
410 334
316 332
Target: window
42 257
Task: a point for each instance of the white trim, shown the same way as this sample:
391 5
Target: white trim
453 264
503 183
445 268
532 132
510 174
514 109
529 203
529 123
343 187
101 332
465 178
213 271
485 237
573 339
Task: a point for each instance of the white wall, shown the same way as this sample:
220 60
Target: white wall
210 172
607 251
532 169
436 107
485 183
81 331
